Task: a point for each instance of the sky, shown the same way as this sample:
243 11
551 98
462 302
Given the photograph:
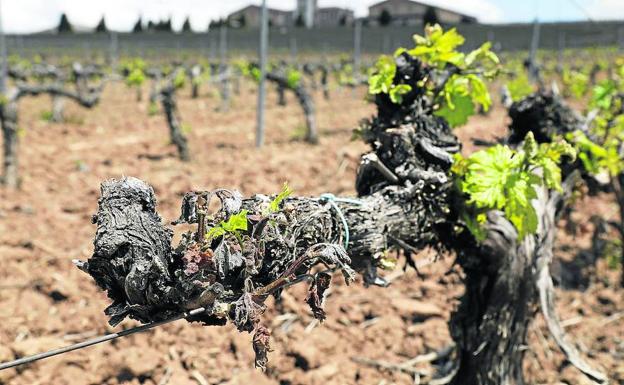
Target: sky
23 16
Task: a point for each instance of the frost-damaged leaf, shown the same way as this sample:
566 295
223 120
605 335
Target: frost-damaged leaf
261 346
336 255
316 294
194 258
231 201
247 313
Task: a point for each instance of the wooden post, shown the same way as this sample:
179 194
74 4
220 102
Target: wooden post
264 43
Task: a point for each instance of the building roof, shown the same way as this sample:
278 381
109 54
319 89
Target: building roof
334 9
253 6
424 4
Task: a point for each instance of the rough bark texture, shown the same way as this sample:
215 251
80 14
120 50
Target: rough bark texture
149 280
490 326
325 81
58 109
194 73
617 183
545 115
139 93
231 273
8 120
170 107
281 94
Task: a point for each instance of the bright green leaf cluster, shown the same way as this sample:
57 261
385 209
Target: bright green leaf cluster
439 47
459 96
234 224
382 80
293 78
576 83
463 87
346 75
500 178
135 78
135 69
179 79
520 87
204 77
598 158
603 95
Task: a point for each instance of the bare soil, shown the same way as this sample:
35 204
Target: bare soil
45 302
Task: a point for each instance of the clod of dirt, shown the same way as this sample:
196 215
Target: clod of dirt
416 309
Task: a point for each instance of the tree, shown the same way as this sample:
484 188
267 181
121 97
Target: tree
167 26
64 25
138 26
186 27
101 26
431 16
151 26
385 18
299 21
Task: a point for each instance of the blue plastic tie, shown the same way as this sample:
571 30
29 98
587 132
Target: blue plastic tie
332 199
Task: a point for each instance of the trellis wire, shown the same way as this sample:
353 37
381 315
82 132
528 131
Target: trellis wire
97 340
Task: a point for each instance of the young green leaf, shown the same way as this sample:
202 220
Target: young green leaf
500 178
397 92
293 78
274 206
234 224
520 87
457 110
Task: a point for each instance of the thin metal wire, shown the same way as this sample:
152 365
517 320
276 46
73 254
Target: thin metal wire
97 340
332 199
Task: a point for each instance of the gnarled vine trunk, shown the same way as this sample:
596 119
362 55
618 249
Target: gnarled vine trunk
506 279
58 109
177 137
281 95
325 81
490 325
139 93
10 136
305 101
225 90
